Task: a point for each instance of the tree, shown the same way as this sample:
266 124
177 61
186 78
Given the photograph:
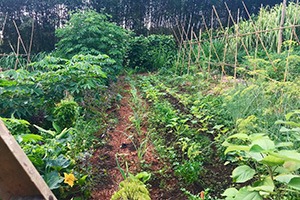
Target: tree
88 32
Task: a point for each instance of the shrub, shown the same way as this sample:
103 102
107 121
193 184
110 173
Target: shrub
89 32
66 113
151 53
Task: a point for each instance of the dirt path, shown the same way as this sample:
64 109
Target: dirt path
105 158
106 173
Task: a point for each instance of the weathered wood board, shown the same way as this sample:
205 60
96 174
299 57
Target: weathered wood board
18 177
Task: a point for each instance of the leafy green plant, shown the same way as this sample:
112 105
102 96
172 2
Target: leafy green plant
53 155
88 32
151 53
189 171
132 187
66 113
270 166
36 93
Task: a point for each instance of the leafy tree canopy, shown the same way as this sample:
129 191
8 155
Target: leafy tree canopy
88 32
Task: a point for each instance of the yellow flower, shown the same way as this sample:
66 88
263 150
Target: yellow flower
69 179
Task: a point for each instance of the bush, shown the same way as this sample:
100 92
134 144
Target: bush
89 32
66 113
151 53
26 93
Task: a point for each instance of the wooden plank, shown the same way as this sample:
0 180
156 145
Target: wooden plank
18 177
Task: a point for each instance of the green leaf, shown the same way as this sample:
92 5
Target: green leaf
284 144
272 160
264 143
230 192
143 176
295 183
245 194
241 136
52 133
242 174
61 162
267 185
53 180
290 114
31 138
288 155
236 148
284 178
256 156
289 123
82 180
256 149
291 166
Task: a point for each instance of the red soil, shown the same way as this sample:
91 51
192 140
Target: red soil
104 159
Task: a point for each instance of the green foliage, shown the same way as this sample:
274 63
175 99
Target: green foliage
54 78
151 53
189 171
37 96
276 164
11 61
133 188
53 153
89 32
284 66
66 113
264 100
267 19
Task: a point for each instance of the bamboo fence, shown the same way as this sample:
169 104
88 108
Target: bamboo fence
196 49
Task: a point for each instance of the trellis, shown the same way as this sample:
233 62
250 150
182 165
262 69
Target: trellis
191 44
20 46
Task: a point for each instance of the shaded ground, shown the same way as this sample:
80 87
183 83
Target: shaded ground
106 173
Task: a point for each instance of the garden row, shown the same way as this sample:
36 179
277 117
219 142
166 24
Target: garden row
199 125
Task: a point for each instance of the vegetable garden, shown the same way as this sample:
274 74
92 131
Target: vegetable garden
213 114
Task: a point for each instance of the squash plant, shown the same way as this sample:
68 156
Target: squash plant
268 168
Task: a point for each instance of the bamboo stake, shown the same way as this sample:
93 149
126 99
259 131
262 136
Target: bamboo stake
253 33
180 46
231 17
196 39
294 29
190 52
280 26
236 48
199 48
20 37
225 40
31 41
286 71
211 46
262 43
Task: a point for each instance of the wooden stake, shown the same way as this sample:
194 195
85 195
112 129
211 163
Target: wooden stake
236 47
31 41
262 43
283 11
20 38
